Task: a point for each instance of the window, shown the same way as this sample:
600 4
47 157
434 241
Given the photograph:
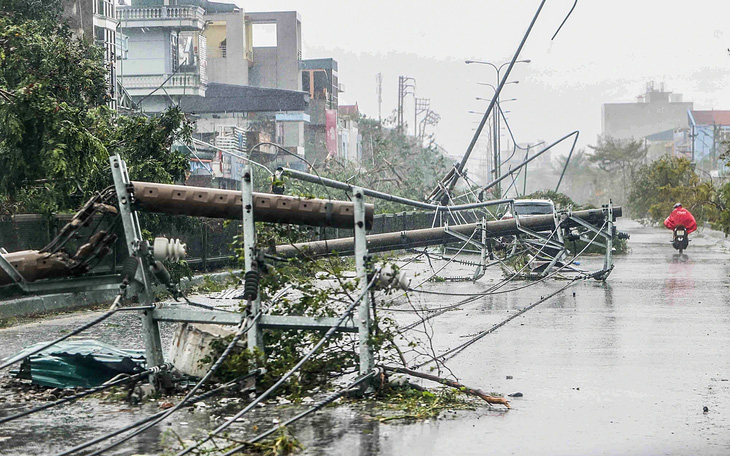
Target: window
174 52
264 35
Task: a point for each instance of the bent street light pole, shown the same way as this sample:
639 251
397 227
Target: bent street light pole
452 178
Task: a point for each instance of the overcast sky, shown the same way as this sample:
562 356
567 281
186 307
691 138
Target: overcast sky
606 52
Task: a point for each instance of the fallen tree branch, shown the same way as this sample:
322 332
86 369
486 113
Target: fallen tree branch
451 383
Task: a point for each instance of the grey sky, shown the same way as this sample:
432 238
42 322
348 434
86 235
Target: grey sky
606 52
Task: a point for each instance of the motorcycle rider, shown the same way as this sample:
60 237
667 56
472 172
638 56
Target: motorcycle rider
681 216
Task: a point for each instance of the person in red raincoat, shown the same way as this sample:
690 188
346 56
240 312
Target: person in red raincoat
681 216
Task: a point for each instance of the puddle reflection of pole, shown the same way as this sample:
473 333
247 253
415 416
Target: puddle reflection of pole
370 438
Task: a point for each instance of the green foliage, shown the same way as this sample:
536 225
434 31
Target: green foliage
306 297
54 92
392 163
618 160
659 185
561 200
56 133
408 403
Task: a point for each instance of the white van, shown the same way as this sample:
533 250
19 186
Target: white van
528 207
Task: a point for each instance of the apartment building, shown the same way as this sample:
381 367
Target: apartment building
95 21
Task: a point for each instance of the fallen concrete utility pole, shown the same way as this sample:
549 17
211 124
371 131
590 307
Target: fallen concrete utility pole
435 236
219 203
31 265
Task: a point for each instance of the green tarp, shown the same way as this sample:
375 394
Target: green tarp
79 363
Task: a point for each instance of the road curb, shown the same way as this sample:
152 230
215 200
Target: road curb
30 306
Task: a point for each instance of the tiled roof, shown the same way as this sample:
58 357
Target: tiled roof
711 117
348 110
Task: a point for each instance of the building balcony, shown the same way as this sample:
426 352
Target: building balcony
175 17
178 84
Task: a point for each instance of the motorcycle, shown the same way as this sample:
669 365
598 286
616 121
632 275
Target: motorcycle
680 241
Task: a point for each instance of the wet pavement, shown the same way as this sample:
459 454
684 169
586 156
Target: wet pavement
624 367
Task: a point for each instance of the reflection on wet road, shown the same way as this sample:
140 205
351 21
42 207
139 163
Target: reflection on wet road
621 368
618 368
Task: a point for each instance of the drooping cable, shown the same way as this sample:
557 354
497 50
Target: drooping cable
242 329
329 399
112 310
192 400
286 376
492 291
88 392
458 349
565 20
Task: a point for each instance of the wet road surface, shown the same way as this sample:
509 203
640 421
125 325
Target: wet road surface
618 368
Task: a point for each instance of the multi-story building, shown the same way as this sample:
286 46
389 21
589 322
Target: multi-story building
177 51
348 132
655 111
95 21
707 132
167 52
200 55
320 79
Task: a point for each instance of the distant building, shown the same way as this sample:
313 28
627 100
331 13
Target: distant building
320 79
201 56
707 132
654 112
350 140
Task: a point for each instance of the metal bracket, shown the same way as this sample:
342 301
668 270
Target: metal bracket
464 238
546 241
590 227
172 314
255 336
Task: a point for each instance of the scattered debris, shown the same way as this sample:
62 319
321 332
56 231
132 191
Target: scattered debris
454 384
141 393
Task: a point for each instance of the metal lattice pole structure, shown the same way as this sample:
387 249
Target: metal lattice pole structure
361 264
255 336
404 83
135 244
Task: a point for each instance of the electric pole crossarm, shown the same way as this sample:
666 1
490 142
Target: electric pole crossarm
524 163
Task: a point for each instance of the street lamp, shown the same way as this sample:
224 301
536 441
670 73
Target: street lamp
495 118
494 88
500 101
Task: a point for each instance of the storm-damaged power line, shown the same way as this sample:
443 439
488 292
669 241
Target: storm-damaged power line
96 389
447 184
352 387
224 387
564 20
345 315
